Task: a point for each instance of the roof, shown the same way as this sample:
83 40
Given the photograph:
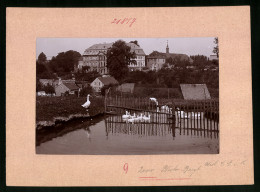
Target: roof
160 55
195 91
126 87
108 80
102 48
97 48
46 81
71 86
135 48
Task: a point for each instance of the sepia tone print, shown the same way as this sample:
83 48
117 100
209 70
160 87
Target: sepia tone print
122 96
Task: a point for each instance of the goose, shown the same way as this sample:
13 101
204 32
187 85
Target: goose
87 104
182 114
163 108
154 100
139 117
126 116
195 115
147 118
132 117
132 120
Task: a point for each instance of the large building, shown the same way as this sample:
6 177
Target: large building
94 58
156 59
140 58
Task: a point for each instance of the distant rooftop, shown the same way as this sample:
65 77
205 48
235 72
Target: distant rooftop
108 80
102 48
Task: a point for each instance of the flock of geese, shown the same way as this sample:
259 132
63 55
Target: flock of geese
128 118
143 118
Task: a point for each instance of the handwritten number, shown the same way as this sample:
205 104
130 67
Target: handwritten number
125 167
113 21
131 21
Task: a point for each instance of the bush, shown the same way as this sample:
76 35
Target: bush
85 91
49 89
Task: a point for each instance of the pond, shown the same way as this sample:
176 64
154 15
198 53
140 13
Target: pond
110 135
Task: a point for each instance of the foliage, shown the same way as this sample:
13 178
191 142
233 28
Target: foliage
104 88
135 42
48 89
39 85
119 56
215 49
42 58
85 68
47 108
88 76
64 62
158 92
85 91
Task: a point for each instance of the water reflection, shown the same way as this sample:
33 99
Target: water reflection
88 133
111 135
48 133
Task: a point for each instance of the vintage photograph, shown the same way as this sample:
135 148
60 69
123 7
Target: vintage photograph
127 96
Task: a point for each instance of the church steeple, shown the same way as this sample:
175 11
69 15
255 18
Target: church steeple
167 48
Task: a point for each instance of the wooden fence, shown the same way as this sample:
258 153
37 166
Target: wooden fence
115 125
202 114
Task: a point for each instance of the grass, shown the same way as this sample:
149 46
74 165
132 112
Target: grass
47 108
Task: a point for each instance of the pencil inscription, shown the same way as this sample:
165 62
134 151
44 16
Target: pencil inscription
187 171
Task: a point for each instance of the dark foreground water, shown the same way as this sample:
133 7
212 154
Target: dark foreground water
111 136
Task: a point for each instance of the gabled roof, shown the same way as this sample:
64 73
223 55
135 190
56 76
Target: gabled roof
195 91
134 48
108 80
71 86
126 87
160 55
102 48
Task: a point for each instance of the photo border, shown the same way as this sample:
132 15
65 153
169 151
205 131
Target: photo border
255 59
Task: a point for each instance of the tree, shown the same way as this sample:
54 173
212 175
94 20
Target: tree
215 49
85 91
135 42
42 58
39 85
49 89
119 56
64 62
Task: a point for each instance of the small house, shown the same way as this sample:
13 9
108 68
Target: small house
213 57
100 82
66 86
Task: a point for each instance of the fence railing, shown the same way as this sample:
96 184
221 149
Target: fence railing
203 114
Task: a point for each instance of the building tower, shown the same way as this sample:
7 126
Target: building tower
167 48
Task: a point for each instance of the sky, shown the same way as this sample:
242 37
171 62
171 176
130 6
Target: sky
190 46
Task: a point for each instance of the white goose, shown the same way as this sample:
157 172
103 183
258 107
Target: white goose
182 114
127 115
195 115
147 119
87 104
154 100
